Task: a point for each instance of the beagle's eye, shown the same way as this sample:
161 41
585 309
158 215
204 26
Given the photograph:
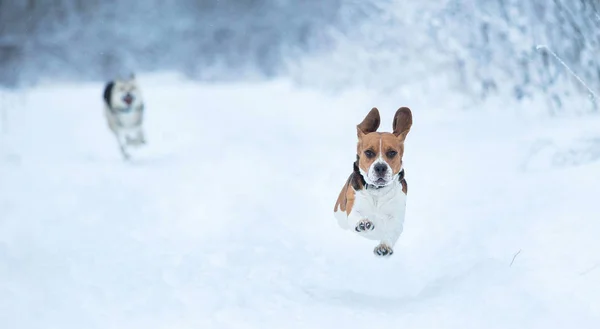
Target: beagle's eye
370 154
391 154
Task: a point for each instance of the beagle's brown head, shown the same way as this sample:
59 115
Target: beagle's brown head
380 154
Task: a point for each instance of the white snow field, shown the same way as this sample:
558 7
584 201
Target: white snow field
224 220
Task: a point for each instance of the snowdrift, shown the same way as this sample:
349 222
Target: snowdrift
225 219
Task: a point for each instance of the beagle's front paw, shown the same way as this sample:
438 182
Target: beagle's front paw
383 250
364 225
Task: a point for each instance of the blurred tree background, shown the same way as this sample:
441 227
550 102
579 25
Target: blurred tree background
216 39
484 48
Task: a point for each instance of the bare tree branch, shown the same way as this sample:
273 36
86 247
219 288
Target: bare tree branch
590 269
515 256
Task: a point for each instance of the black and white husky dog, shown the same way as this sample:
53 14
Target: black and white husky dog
124 111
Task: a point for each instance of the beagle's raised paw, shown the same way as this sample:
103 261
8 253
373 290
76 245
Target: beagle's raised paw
364 225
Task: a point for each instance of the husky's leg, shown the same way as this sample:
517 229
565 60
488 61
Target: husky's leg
136 137
110 120
124 152
113 125
122 146
141 136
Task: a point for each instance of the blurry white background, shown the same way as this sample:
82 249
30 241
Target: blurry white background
224 220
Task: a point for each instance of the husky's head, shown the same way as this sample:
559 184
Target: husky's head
126 92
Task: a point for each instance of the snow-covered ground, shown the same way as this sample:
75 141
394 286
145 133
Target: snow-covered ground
225 219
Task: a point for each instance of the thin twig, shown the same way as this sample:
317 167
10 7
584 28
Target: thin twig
515 256
590 269
592 94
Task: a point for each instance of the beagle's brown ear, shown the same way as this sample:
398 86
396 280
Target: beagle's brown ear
369 124
402 122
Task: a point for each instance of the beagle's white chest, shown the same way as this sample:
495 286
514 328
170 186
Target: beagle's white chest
385 208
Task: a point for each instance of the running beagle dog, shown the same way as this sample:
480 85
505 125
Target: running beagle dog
372 203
